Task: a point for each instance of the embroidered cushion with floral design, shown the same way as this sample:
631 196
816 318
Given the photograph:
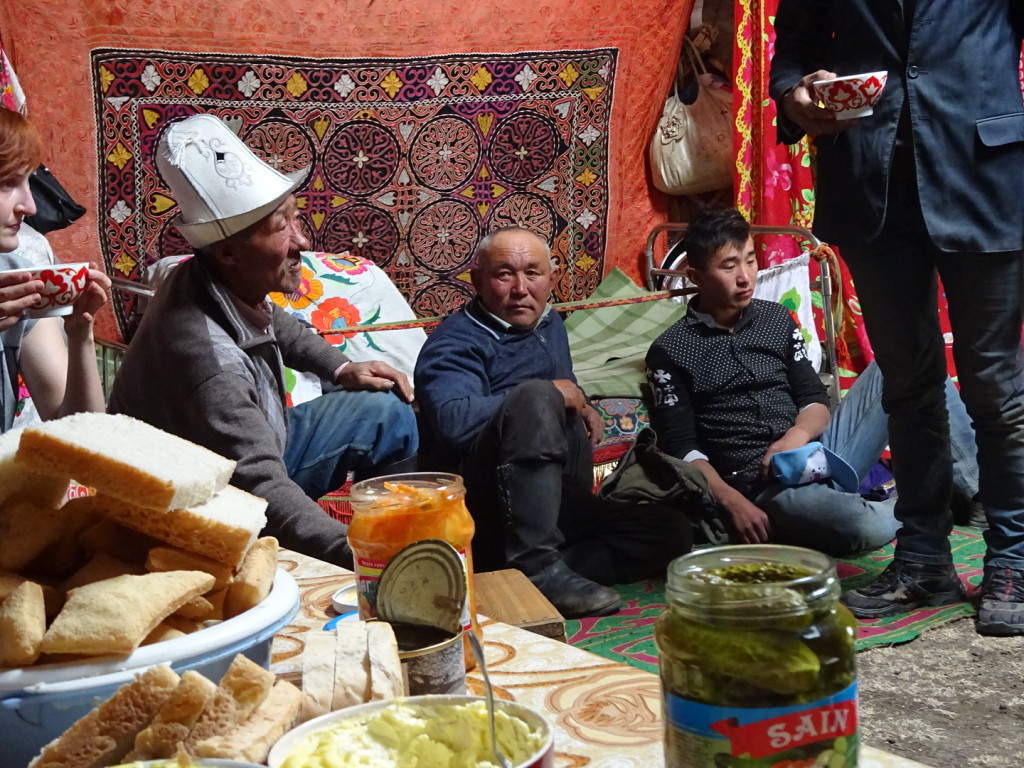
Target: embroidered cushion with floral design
345 293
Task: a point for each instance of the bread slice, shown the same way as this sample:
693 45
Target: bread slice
115 615
254 579
26 530
253 739
221 529
351 665
243 687
317 673
174 721
174 559
22 625
386 680
125 458
19 482
106 733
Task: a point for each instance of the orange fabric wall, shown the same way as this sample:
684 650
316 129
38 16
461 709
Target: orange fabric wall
48 43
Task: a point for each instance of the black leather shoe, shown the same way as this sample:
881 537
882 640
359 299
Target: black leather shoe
968 511
1002 602
573 595
904 586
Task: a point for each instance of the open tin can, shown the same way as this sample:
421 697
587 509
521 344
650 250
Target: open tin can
422 594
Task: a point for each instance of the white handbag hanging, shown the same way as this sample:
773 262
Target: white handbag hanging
691 150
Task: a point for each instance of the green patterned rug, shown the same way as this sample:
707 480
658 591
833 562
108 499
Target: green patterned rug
628 637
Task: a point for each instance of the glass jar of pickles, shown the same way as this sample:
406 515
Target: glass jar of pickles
757 661
393 511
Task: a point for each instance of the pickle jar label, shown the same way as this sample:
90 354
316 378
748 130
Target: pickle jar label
467 619
818 733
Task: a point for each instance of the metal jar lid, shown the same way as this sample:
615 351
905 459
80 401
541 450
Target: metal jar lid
424 584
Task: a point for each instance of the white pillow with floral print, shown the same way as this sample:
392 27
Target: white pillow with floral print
789 284
345 293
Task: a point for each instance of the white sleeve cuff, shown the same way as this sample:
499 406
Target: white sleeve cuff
694 455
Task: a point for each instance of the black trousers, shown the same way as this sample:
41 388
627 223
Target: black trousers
607 542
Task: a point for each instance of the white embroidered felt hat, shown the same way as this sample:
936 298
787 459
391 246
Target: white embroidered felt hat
220 185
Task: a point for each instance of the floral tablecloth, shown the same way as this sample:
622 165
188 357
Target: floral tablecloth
605 714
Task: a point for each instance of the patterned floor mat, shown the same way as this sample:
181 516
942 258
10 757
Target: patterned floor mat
628 636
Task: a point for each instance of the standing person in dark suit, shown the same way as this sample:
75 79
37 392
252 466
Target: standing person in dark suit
928 186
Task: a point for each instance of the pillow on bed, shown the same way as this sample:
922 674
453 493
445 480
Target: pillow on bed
609 344
342 292
789 284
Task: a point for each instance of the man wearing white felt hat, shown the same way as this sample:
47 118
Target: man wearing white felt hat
207 360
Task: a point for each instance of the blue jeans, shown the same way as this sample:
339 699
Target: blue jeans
896 279
342 431
839 523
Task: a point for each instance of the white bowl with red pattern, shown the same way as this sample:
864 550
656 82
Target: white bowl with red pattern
62 285
851 96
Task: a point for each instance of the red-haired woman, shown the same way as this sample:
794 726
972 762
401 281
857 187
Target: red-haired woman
61 378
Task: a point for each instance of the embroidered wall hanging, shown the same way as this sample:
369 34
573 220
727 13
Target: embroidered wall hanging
412 160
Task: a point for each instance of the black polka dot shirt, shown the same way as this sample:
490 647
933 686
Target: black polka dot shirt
726 396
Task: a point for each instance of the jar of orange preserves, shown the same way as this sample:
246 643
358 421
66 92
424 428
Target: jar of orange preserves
393 511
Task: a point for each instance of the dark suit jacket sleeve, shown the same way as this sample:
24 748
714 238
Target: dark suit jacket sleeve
803 29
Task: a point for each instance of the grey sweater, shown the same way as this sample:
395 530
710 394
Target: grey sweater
198 369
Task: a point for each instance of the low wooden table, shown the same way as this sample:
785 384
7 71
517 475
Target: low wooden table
509 597
605 714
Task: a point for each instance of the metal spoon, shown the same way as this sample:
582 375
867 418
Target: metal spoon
478 654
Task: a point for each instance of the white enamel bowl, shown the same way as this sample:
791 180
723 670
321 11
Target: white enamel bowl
39 703
543 757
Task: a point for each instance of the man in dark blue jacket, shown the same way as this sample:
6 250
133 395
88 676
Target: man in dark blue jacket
502 408
927 186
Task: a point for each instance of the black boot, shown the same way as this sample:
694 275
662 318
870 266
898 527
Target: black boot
573 595
530 497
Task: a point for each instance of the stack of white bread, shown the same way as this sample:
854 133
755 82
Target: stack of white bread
160 715
164 547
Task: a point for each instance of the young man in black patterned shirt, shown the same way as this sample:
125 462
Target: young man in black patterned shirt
733 387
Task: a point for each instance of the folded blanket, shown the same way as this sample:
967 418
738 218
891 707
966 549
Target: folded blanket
608 345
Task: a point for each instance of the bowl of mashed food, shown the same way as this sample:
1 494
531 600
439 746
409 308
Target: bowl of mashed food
446 731
196 763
